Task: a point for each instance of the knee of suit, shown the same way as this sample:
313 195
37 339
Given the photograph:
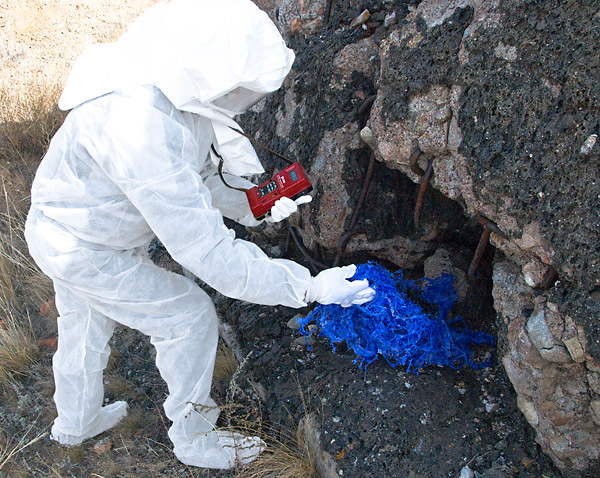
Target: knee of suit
202 322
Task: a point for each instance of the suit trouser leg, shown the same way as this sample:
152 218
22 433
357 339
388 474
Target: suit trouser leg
177 315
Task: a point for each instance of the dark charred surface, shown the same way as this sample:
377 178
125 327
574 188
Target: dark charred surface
523 127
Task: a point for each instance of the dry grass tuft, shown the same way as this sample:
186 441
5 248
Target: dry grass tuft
286 457
8 450
117 386
132 423
288 454
17 346
7 274
20 274
226 364
29 117
20 282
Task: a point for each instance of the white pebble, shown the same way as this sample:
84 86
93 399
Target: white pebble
589 144
466 472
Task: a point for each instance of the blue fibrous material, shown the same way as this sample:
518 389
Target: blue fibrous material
396 327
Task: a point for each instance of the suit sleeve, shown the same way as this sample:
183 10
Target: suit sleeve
154 160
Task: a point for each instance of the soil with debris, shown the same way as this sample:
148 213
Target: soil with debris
381 420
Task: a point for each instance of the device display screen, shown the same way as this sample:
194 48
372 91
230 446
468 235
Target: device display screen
266 189
293 175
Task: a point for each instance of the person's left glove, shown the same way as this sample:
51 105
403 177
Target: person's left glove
285 207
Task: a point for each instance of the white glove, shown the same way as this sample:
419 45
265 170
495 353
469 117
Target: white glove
285 207
332 287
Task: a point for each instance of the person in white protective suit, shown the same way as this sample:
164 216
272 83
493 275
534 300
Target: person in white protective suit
133 161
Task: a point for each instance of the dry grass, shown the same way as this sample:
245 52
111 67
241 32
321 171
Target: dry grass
8 449
289 456
20 274
29 117
7 274
22 284
225 363
17 346
132 423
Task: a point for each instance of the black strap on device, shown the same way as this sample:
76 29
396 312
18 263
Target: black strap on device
260 145
220 169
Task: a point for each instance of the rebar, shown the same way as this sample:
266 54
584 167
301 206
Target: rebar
421 197
363 194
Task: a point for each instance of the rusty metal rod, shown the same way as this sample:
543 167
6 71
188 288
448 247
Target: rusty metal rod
421 197
363 194
366 106
483 242
485 222
412 161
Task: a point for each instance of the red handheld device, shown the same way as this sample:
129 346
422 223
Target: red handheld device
292 182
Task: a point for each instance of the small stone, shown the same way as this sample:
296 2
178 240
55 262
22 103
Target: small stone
533 273
361 19
542 338
575 349
528 409
571 339
293 323
552 307
304 341
508 53
588 144
532 236
390 20
295 26
593 379
466 472
539 332
366 134
526 352
103 446
501 445
592 365
312 27
388 449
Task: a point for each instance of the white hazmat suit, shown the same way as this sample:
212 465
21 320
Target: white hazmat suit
132 161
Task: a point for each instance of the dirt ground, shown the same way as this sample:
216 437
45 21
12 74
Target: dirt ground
40 39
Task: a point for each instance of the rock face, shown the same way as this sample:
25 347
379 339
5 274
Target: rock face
502 99
556 381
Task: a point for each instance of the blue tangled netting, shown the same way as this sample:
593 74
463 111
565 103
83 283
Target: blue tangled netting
396 327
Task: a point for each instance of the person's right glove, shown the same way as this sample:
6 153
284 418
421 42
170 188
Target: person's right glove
285 207
332 287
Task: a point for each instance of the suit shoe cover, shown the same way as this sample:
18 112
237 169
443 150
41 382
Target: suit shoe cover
220 450
107 418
